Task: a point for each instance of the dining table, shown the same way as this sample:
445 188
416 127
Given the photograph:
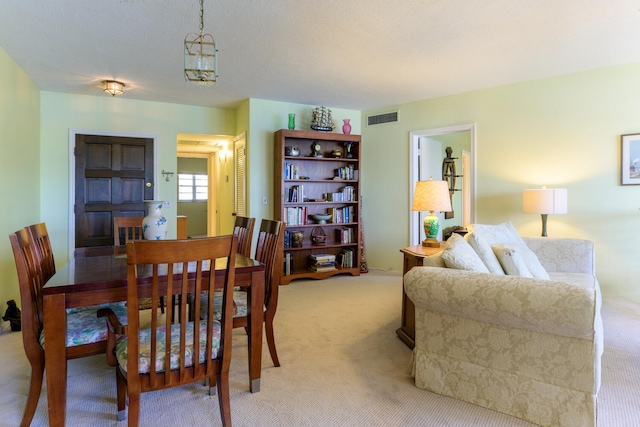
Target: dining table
85 281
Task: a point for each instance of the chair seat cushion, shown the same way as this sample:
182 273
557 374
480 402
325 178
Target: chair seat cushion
85 327
239 305
144 360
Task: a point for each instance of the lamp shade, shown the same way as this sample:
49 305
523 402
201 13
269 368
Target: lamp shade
431 196
545 201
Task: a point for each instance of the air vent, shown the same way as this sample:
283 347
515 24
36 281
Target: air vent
382 118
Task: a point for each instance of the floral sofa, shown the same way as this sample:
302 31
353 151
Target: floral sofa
511 324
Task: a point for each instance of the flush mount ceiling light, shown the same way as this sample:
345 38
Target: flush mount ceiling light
113 87
200 64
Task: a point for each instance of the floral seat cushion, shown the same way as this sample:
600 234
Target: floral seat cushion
85 327
144 360
239 305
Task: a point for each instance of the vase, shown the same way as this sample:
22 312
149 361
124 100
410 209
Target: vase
346 127
154 225
292 121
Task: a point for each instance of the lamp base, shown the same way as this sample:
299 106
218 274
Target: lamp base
431 243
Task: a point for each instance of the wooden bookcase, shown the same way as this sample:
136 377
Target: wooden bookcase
318 191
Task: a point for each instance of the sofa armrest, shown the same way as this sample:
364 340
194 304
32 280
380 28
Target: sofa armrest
564 255
545 306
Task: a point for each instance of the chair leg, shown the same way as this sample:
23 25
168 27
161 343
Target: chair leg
134 410
121 388
271 341
224 401
162 305
35 386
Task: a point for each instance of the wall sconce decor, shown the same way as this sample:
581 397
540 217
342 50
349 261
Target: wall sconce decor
545 201
431 196
167 175
113 87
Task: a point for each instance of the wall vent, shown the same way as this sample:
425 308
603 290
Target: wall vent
382 118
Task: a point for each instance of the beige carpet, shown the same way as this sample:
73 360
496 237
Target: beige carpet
342 365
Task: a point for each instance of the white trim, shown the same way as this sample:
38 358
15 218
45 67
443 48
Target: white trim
72 172
414 217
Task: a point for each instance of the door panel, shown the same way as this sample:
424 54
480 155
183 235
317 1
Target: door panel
111 180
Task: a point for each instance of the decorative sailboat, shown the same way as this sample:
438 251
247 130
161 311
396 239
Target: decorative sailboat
321 119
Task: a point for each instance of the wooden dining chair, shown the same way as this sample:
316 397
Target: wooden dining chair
270 237
243 228
86 333
164 352
44 250
125 229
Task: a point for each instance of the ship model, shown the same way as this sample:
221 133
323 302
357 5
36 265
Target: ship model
321 119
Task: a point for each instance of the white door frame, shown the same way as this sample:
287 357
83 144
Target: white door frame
414 159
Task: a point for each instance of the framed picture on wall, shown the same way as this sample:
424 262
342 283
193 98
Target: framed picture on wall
631 159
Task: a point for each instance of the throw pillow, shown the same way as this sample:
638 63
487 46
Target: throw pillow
459 255
482 236
511 261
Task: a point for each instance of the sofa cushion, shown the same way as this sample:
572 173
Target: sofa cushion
459 255
511 261
482 236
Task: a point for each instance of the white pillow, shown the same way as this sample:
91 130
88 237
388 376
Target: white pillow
482 236
511 261
459 255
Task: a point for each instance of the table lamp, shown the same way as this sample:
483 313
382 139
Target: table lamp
431 196
545 201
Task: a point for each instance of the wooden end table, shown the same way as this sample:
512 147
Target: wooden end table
413 256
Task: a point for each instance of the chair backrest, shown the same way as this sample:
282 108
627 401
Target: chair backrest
125 229
41 240
243 228
31 280
269 251
180 267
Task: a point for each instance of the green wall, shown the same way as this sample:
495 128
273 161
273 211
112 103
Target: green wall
62 112
19 166
561 132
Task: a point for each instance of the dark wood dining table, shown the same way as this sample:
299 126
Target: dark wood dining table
103 279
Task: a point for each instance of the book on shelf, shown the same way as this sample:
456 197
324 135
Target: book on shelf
344 235
345 258
322 262
287 268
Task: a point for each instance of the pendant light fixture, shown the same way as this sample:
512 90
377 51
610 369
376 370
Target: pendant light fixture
200 64
113 87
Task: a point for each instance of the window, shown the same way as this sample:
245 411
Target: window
192 187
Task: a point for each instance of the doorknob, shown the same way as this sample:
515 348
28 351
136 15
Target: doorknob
148 184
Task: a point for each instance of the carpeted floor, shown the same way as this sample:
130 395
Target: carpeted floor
342 365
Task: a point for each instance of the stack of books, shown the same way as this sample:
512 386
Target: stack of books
322 262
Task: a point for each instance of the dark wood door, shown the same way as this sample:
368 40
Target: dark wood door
113 176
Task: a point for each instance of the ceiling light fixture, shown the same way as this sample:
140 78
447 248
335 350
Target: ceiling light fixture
200 65
113 87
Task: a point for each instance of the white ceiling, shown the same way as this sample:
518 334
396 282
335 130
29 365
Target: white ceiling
354 54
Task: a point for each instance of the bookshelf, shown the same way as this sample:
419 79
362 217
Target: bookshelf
308 185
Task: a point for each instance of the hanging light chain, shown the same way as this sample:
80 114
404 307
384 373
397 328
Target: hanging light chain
201 17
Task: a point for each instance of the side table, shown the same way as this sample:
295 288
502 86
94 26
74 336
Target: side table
413 256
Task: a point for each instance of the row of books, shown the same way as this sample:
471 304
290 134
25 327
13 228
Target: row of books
287 268
295 215
295 194
344 235
346 258
342 215
346 194
290 171
322 262
346 172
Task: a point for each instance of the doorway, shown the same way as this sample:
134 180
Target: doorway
427 148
